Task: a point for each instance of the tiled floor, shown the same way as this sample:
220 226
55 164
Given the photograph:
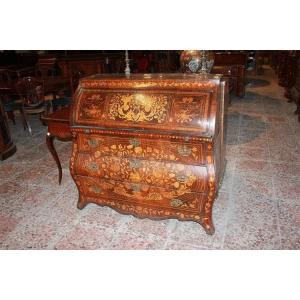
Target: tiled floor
258 206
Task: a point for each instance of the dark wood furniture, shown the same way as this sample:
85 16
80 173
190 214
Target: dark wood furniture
230 58
236 75
150 145
295 89
55 84
58 127
32 98
232 65
7 147
287 68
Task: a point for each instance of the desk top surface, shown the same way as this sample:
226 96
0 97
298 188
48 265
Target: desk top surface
61 116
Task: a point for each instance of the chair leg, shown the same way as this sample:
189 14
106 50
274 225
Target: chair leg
11 116
25 121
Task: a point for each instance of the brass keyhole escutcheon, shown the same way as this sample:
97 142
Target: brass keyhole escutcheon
181 178
184 150
134 142
93 166
135 164
93 143
176 202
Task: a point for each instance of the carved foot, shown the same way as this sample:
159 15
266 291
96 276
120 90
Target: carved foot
210 230
81 204
208 226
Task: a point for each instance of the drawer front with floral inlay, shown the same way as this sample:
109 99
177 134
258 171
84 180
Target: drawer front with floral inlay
148 149
139 193
175 176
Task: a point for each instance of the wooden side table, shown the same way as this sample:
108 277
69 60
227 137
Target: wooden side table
58 127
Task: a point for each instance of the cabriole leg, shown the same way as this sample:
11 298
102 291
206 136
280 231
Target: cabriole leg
50 145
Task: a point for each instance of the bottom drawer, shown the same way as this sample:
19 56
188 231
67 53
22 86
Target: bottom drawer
140 194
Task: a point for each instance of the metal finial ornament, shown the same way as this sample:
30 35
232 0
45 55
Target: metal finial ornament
196 61
206 62
203 63
127 68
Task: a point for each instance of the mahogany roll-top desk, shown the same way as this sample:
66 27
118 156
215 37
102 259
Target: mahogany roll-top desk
150 145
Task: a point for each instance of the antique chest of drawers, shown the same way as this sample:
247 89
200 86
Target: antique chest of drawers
150 145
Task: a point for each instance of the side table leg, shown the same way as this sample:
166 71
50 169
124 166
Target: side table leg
50 145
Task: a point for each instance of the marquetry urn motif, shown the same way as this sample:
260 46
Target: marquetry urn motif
150 145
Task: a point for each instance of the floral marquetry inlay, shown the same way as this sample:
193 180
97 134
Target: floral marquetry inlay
138 107
151 145
92 106
141 148
177 177
190 110
142 192
182 112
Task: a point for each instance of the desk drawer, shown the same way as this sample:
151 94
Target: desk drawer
142 194
149 149
157 173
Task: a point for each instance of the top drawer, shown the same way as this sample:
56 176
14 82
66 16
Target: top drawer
142 148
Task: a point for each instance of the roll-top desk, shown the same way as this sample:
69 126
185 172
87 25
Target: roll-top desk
150 145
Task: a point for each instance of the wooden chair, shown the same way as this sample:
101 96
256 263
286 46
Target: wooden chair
6 75
31 92
7 78
44 71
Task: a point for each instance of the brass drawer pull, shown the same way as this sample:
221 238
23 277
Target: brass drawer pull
93 166
176 202
184 150
181 178
134 142
135 164
92 143
96 189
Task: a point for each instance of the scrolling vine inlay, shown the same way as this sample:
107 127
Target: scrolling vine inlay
138 107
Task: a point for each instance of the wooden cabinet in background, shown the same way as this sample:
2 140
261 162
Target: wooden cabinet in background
236 76
150 145
7 147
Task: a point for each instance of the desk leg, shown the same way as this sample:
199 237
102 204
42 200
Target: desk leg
50 145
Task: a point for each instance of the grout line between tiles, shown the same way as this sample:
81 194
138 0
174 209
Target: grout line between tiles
274 198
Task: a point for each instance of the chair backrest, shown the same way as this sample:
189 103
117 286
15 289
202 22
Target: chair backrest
6 75
45 71
31 91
